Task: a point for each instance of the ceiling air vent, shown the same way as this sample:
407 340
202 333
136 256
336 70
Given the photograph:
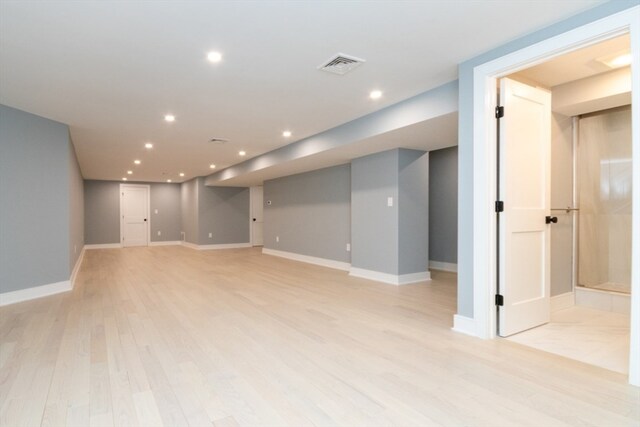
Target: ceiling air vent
341 64
218 140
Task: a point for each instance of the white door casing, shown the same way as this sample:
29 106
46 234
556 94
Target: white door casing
134 215
525 187
257 218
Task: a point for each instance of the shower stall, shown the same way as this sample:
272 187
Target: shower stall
603 179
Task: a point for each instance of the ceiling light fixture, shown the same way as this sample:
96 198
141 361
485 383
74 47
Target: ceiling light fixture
616 60
212 166
181 173
169 118
375 94
286 133
129 172
168 180
242 153
124 179
137 162
214 56
148 145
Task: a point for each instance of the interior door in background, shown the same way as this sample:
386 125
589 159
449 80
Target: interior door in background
134 208
525 189
257 220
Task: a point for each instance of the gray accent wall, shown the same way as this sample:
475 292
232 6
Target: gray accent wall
35 202
76 207
465 135
102 211
310 213
443 205
223 213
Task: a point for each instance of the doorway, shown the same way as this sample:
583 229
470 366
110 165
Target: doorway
134 215
256 198
485 270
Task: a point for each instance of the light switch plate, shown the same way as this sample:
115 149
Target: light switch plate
390 201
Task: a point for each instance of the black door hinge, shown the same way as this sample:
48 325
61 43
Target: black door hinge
499 300
499 206
499 112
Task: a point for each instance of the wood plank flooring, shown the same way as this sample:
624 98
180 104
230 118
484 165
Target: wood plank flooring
170 336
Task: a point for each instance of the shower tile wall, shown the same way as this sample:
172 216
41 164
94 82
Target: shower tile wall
604 188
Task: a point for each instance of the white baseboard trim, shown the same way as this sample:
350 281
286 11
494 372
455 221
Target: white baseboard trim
465 325
220 246
562 301
76 268
324 262
443 266
104 246
167 243
392 279
13 297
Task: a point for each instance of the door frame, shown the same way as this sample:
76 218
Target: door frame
484 163
120 189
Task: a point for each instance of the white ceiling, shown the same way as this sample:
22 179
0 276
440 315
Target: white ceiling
111 70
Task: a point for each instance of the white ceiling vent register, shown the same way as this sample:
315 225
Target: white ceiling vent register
218 140
341 64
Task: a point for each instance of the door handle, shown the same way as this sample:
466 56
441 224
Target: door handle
145 219
551 219
254 219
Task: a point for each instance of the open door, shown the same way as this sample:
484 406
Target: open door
524 187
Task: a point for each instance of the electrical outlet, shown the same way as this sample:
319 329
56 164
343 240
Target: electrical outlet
159 233
348 247
210 235
277 239
156 211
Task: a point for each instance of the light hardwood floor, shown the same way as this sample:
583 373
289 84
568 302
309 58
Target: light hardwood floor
172 336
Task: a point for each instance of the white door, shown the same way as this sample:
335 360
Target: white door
257 221
524 236
134 205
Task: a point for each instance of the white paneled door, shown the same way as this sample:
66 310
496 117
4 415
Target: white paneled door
257 220
524 225
134 212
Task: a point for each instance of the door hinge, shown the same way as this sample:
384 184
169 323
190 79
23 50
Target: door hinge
499 112
499 300
499 206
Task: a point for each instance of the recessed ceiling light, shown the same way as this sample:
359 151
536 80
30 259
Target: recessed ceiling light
286 133
212 166
148 145
168 180
375 94
242 153
214 56
616 60
124 179
129 172
169 118
181 173
137 162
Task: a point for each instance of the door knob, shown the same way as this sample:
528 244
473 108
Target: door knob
551 219
254 219
145 219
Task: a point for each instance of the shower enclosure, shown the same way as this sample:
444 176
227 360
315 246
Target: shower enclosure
604 197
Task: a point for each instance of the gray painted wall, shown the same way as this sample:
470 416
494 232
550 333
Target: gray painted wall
34 198
465 136
76 207
189 205
223 212
310 212
413 211
102 211
443 205
374 225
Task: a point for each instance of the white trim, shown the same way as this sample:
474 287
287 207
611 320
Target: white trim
148 187
392 279
219 246
562 301
484 140
13 297
324 262
598 299
167 243
103 246
465 325
76 268
443 266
